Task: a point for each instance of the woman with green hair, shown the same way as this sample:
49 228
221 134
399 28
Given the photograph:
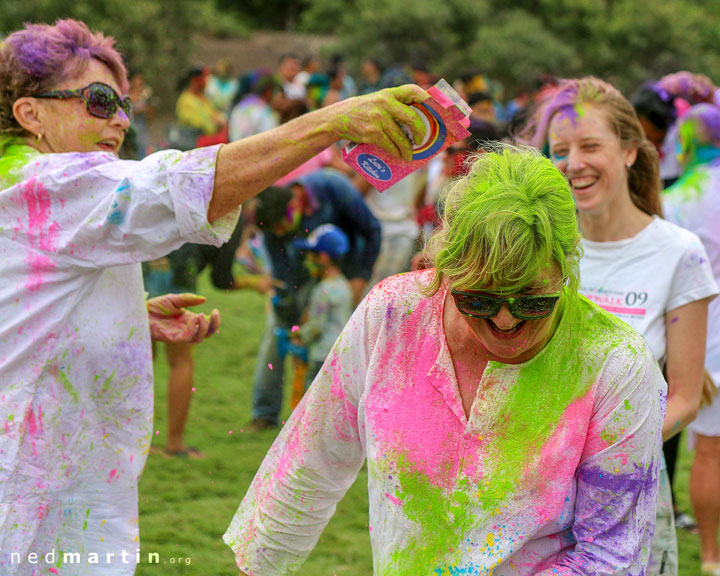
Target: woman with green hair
510 426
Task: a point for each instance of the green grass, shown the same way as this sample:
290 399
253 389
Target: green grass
186 505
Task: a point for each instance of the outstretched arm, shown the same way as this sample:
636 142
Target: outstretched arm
245 168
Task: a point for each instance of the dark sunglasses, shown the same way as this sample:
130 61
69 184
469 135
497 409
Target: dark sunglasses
479 305
100 100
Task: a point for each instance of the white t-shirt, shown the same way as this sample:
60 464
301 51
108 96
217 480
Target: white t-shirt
693 202
642 278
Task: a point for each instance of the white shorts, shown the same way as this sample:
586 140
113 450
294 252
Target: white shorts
707 422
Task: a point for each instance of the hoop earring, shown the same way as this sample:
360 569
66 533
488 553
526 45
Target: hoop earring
39 137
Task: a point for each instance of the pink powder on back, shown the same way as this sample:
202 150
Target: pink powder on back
42 234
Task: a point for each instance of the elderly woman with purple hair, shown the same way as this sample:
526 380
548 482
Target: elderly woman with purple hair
75 223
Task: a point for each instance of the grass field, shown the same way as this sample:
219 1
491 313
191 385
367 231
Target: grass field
186 505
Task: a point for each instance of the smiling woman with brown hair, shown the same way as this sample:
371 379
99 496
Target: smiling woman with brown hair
650 273
75 223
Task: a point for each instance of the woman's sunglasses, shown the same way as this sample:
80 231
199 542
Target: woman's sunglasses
100 100
479 305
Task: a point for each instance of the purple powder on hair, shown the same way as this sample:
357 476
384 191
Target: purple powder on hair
708 116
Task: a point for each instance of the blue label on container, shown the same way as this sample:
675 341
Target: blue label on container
374 167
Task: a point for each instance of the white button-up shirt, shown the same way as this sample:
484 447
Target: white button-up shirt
554 471
76 387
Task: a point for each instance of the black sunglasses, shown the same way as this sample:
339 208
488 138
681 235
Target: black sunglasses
100 100
479 305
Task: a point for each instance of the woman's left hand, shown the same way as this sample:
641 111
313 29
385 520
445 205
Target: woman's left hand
171 322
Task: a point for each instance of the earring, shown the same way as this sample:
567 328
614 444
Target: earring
39 137
629 165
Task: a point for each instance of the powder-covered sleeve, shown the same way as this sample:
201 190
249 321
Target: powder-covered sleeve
693 280
618 476
93 210
310 466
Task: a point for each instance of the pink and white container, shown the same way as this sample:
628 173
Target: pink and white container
446 118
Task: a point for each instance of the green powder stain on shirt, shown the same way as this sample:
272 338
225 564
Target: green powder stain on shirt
443 517
67 385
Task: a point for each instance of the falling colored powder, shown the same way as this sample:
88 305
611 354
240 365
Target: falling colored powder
270 366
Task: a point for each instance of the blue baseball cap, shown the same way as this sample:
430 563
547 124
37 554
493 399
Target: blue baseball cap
325 238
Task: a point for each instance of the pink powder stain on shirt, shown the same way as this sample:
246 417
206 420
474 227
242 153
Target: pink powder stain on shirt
32 427
348 414
560 456
42 233
409 410
623 458
394 499
113 472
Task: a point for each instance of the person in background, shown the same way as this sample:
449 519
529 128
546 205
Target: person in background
75 223
334 93
331 299
482 107
660 103
657 105
396 210
194 109
509 426
650 273
254 113
310 66
693 202
349 87
371 76
287 71
141 95
285 214
222 86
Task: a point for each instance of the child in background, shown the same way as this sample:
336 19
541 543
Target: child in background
331 300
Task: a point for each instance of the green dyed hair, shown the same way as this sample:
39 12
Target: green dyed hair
504 222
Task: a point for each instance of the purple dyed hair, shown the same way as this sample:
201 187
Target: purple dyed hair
644 175
707 119
40 56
